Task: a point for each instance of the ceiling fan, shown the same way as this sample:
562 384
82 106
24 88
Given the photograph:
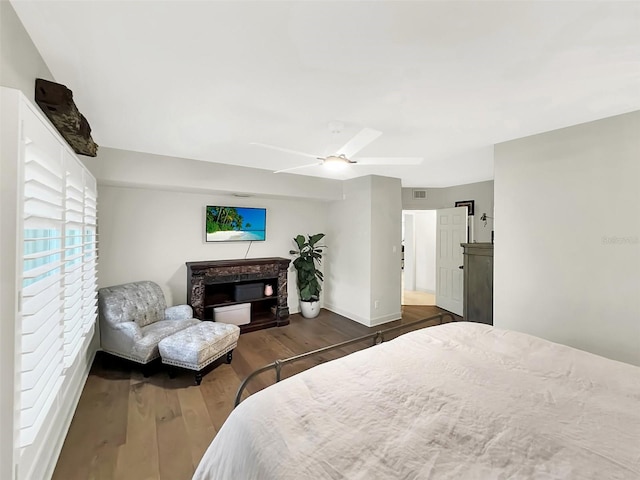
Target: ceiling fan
342 157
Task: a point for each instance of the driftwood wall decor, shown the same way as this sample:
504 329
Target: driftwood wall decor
56 101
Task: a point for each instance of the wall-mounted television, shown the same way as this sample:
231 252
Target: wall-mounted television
235 224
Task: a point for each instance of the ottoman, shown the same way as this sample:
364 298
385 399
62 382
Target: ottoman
197 346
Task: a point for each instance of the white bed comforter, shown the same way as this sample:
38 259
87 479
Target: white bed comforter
457 401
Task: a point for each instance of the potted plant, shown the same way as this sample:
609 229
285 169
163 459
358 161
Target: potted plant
309 277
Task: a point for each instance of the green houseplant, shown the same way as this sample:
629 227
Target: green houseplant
308 257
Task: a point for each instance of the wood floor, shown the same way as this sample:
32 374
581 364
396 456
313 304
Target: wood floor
127 426
414 297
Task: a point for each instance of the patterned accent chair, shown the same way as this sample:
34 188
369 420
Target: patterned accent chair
134 318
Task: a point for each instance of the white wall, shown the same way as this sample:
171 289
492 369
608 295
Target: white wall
361 267
20 61
567 254
386 250
481 193
149 234
425 251
126 168
347 289
151 215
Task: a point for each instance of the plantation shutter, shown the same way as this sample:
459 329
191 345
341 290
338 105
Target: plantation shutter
42 280
73 265
89 263
58 306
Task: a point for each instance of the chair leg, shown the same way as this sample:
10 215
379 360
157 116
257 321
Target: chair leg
106 361
198 378
150 368
172 372
229 356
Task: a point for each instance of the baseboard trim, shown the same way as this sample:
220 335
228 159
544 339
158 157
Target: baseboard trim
367 322
386 319
349 315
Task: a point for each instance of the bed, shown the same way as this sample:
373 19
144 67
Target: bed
456 401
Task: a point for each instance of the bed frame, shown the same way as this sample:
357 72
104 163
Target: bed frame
377 337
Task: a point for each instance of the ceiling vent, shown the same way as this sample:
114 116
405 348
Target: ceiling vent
419 194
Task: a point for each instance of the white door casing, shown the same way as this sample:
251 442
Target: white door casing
451 231
409 271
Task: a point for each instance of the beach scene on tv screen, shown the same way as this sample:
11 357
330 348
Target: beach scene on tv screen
230 224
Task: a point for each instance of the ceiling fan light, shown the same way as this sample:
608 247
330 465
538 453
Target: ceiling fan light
335 163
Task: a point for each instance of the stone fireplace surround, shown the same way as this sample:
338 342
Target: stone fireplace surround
205 278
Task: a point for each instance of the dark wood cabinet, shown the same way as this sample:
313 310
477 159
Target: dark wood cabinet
215 283
478 282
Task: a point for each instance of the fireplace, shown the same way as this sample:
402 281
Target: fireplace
216 283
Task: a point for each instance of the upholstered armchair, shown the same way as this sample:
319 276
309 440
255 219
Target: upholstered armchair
134 317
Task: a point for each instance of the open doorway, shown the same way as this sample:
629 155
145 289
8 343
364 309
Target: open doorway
419 257
432 257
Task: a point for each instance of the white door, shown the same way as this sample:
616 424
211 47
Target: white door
451 231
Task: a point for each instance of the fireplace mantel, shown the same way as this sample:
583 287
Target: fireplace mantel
207 277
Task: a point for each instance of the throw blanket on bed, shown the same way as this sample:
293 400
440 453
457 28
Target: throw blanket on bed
457 401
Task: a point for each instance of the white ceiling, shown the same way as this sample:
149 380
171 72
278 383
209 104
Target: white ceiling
441 80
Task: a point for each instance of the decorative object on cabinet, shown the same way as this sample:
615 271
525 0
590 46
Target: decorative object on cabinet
56 101
466 203
309 277
236 313
247 291
478 282
213 284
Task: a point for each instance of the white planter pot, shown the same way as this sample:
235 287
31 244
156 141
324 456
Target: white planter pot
309 309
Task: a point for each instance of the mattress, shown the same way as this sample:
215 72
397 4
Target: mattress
456 401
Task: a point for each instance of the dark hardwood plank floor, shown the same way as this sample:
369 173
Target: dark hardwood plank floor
127 426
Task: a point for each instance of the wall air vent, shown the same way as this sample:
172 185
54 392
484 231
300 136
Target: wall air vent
419 194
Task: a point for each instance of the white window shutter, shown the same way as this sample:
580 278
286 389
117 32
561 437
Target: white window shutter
58 303
42 279
90 260
73 259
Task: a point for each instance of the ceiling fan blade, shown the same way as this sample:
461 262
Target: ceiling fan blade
357 143
296 168
389 161
280 149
